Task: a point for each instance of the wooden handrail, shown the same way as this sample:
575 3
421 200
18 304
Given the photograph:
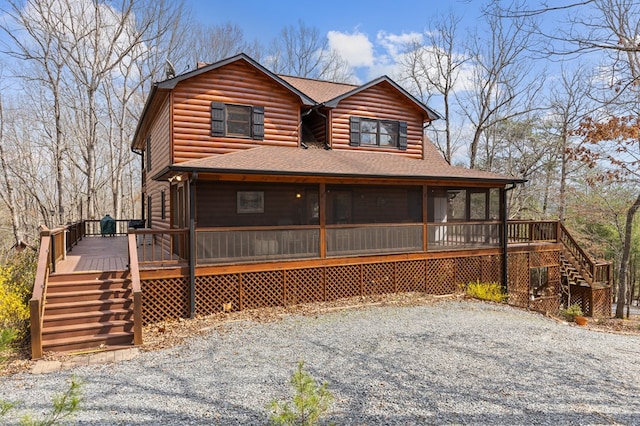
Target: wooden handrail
134 269
584 264
36 304
146 231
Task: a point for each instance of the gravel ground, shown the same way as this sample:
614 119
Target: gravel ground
453 362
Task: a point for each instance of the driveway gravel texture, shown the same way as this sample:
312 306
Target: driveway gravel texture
451 362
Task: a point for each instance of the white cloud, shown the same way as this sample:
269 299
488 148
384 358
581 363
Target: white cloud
395 44
354 48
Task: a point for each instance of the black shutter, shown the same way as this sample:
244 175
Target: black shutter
354 131
217 119
402 135
258 122
148 153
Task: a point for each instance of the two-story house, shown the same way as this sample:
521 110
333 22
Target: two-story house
294 189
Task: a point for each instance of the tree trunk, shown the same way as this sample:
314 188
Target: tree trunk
15 220
624 262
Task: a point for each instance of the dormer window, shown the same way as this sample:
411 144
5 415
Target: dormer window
379 133
238 121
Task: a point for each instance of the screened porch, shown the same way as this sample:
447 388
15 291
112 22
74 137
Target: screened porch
248 222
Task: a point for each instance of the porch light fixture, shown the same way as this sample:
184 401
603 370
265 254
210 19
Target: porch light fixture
298 195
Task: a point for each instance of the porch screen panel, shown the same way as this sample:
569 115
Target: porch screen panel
360 204
220 204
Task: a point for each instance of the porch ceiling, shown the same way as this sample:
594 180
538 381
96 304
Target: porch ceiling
274 160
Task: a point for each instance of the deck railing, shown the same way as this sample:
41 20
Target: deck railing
218 245
348 240
166 247
92 227
528 231
75 232
454 236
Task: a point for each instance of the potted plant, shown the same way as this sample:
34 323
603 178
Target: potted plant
574 314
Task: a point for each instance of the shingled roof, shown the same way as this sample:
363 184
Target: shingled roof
319 90
285 161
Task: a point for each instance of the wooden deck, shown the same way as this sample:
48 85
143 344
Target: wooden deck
96 254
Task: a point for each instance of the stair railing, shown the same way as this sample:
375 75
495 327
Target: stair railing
594 273
134 269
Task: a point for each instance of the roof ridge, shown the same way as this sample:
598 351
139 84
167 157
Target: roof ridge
317 80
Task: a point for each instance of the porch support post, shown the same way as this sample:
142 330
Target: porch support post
192 244
323 220
425 219
505 250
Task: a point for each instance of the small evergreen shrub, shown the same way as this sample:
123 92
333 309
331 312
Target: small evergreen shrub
572 312
485 291
310 402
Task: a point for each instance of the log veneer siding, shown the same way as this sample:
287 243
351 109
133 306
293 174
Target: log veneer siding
160 132
236 83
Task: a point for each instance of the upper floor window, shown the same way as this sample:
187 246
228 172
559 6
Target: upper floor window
382 133
241 121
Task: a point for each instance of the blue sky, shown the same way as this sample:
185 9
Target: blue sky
365 32
260 18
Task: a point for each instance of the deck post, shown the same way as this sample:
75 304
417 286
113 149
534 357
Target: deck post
323 220
36 328
192 245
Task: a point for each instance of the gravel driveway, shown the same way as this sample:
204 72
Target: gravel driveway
453 362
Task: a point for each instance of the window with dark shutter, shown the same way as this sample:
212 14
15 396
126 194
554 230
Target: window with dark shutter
354 131
380 133
240 121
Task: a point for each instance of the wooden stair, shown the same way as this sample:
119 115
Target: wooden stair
86 311
570 272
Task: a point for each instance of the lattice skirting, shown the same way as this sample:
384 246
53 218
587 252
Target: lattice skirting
519 280
163 299
169 298
595 302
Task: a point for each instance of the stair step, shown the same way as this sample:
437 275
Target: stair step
70 318
86 329
66 344
87 295
86 305
88 276
83 285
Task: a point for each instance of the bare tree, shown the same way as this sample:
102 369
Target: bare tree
210 43
433 66
303 52
41 49
86 54
570 102
8 194
503 85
